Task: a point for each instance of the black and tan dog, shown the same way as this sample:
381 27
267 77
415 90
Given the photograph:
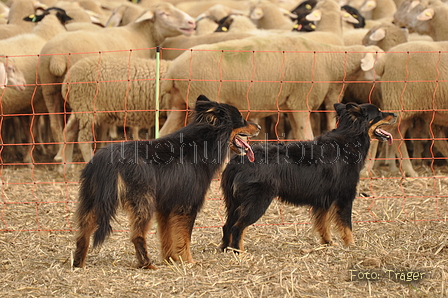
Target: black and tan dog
165 179
322 173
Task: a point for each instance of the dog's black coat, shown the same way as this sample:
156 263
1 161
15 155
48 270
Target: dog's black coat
166 179
322 173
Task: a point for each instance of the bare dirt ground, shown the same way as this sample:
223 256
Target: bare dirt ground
400 229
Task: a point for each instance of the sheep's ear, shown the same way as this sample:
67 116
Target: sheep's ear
368 62
147 16
348 18
33 18
378 35
369 5
426 15
287 13
114 19
413 5
257 13
3 76
315 15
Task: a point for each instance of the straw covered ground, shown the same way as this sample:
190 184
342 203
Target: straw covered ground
400 230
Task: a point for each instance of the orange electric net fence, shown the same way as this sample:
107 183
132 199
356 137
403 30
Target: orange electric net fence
111 97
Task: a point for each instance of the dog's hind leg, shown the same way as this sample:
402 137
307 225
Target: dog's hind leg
246 215
321 223
87 225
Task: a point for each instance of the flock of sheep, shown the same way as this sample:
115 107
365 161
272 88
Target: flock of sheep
83 68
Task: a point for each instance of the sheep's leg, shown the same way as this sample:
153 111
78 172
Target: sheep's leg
441 145
301 125
401 150
174 121
178 114
65 153
135 132
85 138
54 106
26 124
370 160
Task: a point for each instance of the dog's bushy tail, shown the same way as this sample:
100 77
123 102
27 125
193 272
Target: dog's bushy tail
98 197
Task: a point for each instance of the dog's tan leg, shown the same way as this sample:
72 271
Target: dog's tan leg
165 235
343 225
182 229
87 225
175 237
241 243
321 223
140 226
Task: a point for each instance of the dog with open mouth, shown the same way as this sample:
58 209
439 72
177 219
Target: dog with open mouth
322 173
165 179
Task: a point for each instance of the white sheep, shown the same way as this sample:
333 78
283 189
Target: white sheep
137 39
10 75
413 83
378 9
385 36
207 22
124 14
264 76
431 20
267 15
106 91
173 47
329 20
237 23
16 25
26 48
195 8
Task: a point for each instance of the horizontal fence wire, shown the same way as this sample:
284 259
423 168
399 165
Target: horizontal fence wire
39 192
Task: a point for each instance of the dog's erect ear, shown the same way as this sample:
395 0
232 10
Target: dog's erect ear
202 98
354 109
339 108
207 111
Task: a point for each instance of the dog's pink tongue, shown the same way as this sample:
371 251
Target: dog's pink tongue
249 153
390 139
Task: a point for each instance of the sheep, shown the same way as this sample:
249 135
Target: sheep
195 8
303 9
267 15
94 85
407 12
354 13
208 21
378 9
431 20
413 82
173 47
385 36
265 82
124 14
329 18
149 30
10 75
16 25
235 23
26 48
